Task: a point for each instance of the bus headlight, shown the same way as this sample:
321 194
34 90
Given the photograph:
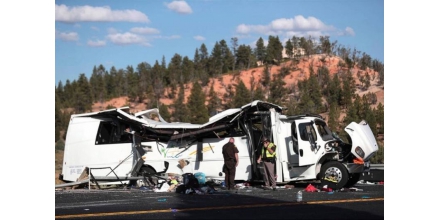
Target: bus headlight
359 151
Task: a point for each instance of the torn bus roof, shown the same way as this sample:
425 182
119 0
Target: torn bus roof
175 129
144 117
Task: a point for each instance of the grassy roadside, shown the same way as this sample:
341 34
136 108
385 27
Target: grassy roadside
59 154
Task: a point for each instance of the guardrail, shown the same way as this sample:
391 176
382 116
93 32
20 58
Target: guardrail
376 173
376 166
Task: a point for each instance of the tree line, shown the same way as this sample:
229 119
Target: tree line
318 93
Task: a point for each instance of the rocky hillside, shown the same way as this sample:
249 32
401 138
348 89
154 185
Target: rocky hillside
301 73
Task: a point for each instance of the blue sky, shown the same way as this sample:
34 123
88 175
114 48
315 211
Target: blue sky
121 33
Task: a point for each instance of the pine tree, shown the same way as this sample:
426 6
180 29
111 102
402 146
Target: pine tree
174 73
265 81
58 119
258 94
153 102
215 61
68 94
132 83
227 97
83 95
187 69
157 73
98 84
196 105
227 57
180 110
277 90
163 111
333 117
379 113
214 101
292 107
334 91
325 45
260 50
243 56
274 50
234 43
113 84
348 89
59 91
358 107
289 48
242 95
315 91
144 85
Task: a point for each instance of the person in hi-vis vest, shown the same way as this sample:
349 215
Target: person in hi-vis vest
268 157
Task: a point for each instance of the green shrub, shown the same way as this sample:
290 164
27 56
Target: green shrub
379 157
59 145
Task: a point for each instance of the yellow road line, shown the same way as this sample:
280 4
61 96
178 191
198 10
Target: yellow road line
213 208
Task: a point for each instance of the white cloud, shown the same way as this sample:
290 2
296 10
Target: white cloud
94 28
67 36
167 37
172 37
144 30
244 36
97 43
180 7
315 34
64 13
112 30
199 38
349 31
243 29
127 38
298 26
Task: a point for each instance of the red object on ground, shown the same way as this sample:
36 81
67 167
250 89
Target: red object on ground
327 189
310 188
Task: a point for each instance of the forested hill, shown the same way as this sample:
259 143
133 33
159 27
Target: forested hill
341 84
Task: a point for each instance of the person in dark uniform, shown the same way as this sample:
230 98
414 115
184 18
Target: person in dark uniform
268 156
230 157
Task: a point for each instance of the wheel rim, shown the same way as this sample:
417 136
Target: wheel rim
333 174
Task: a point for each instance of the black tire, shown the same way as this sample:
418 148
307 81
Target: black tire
334 175
146 171
353 179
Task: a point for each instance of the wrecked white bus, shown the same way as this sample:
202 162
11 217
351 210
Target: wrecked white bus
306 147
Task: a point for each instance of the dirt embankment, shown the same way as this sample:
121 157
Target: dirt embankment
221 83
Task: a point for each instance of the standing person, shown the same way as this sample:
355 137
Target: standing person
230 157
268 156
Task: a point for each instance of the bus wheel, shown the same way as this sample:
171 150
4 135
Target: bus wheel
147 172
334 175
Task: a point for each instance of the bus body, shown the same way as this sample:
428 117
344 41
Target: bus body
306 148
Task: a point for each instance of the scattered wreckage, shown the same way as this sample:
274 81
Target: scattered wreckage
116 147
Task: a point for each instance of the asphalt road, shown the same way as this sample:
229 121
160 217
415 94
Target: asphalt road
250 203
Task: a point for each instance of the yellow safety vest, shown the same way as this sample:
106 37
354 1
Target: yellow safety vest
268 154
